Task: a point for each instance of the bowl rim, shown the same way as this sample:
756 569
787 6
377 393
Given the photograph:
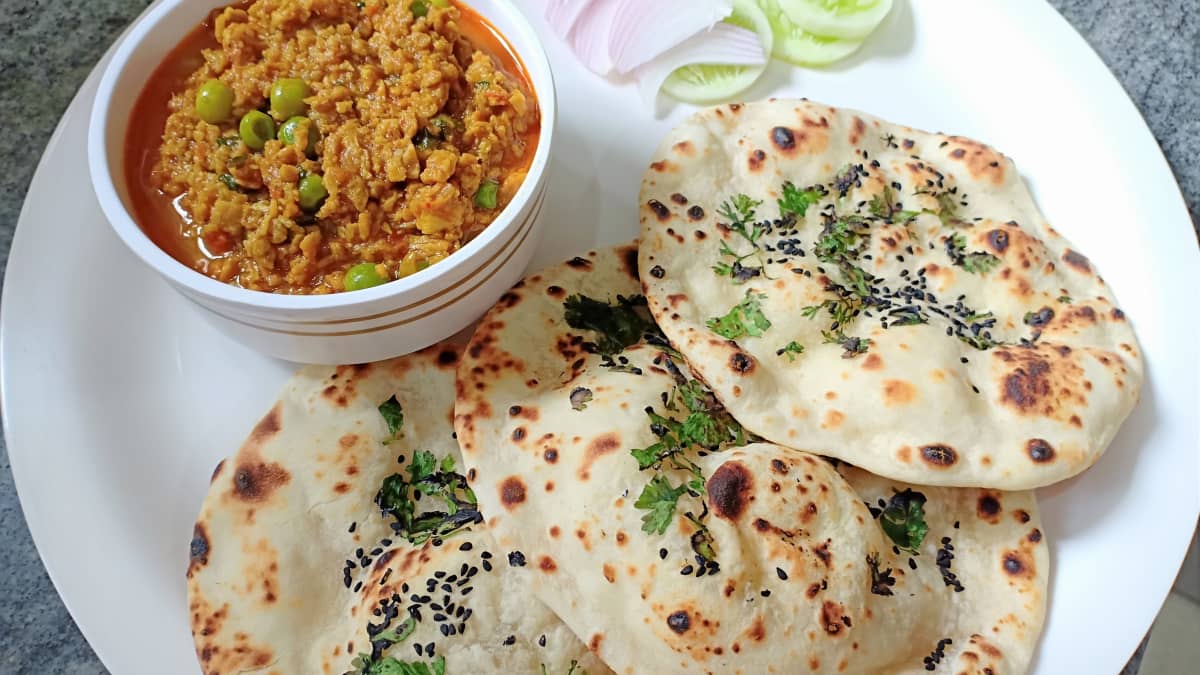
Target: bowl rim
531 53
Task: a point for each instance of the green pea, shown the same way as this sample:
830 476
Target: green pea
363 275
289 133
312 192
485 196
214 102
256 129
287 97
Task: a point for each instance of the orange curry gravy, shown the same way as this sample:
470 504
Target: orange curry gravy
166 220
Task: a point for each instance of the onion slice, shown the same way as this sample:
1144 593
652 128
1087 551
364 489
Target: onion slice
562 15
642 29
724 44
588 34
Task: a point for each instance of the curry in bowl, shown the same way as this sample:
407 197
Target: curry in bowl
318 146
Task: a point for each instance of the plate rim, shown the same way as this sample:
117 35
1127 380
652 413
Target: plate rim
79 109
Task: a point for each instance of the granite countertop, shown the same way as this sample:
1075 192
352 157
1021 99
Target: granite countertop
47 48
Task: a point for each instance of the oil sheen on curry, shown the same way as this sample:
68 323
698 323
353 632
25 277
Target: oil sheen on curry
319 146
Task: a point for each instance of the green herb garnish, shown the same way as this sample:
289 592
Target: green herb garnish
851 346
745 318
229 141
707 426
419 8
903 520
398 498
487 194
795 202
230 182
975 262
617 325
388 665
791 349
393 414
659 499
738 209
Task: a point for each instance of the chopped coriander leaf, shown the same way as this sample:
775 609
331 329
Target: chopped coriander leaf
838 241
976 262
398 634
737 271
903 520
846 178
393 415
795 202
1065 299
230 182
980 262
618 325
745 318
791 349
364 664
659 499
851 346
980 342
883 205
738 209
907 316
427 477
948 210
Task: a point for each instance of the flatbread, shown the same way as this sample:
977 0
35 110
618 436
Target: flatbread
269 589
919 402
797 550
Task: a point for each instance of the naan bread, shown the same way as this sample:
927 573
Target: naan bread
934 229
804 581
269 589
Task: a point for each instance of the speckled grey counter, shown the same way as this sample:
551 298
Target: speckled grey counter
47 48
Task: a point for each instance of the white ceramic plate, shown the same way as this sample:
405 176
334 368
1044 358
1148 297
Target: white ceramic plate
119 399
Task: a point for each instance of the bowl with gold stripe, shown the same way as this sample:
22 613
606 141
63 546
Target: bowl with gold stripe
368 325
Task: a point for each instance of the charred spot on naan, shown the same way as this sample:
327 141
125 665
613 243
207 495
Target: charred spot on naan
988 507
629 260
199 549
512 492
730 490
1077 261
604 444
939 455
756 160
1041 381
983 163
1039 450
255 480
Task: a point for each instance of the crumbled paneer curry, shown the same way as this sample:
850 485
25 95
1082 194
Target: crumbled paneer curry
329 145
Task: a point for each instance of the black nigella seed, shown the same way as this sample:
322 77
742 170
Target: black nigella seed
516 559
687 569
662 553
510 640
782 575
542 641
486 555
466 546
765 593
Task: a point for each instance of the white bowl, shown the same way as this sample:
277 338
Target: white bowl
353 327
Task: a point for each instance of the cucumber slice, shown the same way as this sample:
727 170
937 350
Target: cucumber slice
704 83
794 44
846 19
